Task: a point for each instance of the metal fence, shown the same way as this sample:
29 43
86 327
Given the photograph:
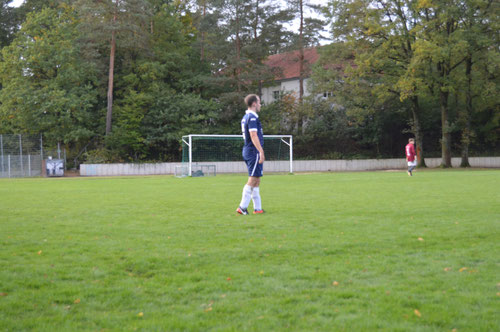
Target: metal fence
20 156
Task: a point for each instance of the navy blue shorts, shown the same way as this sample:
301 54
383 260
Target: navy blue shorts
254 168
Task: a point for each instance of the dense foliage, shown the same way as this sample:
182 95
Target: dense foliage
123 80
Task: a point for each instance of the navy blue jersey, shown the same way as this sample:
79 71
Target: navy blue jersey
251 122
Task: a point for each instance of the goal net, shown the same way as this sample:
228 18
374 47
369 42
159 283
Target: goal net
221 150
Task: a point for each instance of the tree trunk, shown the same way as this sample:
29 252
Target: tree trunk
300 120
446 135
256 23
238 52
467 115
256 42
202 55
444 68
418 132
109 113
301 53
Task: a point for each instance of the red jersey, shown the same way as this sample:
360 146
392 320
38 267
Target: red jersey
410 152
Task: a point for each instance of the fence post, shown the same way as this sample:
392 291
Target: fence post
8 160
21 154
64 150
29 165
41 146
1 150
190 155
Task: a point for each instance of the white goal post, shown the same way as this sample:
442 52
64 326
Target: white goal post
198 148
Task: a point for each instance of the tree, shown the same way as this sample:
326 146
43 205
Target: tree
157 93
309 30
235 37
380 36
8 22
267 37
439 45
124 24
478 31
375 119
46 87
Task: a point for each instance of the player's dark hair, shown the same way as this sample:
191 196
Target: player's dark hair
250 99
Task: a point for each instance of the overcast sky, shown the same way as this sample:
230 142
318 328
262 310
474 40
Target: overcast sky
16 3
294 26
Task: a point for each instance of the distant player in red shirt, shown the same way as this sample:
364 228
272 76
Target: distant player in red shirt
411 156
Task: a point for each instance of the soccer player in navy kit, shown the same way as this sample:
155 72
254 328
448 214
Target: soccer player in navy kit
253 154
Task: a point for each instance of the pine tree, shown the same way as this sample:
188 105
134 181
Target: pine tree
121 24
8 22
267 37
308 36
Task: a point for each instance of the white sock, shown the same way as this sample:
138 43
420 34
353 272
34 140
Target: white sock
257 205
246 196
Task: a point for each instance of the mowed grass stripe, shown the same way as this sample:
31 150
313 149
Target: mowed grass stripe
419 253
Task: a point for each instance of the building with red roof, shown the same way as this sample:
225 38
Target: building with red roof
286 70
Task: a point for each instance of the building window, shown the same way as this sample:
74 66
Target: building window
276 94
327 94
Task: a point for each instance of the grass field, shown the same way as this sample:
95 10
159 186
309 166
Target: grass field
339 251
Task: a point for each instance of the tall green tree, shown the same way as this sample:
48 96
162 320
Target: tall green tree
478 30
121 24
235 37
46 86
437 46
308 36
381 39
158 92
8 22
440 51
267 37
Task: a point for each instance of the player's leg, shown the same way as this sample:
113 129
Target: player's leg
257 203
257 174
246 196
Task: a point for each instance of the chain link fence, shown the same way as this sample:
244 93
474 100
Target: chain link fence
20 156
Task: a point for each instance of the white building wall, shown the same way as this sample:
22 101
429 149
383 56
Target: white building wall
267 94
288 86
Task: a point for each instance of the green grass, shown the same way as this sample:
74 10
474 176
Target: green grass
174 250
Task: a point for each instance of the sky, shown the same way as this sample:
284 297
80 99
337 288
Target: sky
310 13
16 3
294 26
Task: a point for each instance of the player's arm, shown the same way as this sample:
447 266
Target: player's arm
256 142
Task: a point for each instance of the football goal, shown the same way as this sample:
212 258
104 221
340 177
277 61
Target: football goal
199 150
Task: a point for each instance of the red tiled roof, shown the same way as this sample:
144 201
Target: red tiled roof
287 66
